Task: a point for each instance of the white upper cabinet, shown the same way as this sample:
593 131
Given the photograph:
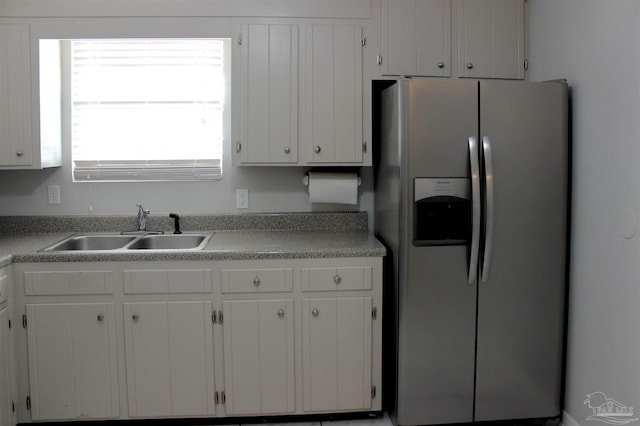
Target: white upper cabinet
491 39
299 100
29 139
15 96
454 38
268 110
333 94
417 37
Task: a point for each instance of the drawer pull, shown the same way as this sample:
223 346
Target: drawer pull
256 281
315 312
280 313
337 279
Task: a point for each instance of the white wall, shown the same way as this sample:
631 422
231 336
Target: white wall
596 46
271 189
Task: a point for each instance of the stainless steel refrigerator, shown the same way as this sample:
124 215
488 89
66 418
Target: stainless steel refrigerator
472 202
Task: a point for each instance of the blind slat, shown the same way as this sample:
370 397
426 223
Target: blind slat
147 109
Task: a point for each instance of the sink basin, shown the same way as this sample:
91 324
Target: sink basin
169 242
119 242
92 242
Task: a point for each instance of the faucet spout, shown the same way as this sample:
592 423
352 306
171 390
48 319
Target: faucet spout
142 218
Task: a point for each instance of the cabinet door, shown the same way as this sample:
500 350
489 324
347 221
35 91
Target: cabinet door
72 361
15 95
169 351
417 37
333 90
258 357
491 41
6 412
269 94
337 353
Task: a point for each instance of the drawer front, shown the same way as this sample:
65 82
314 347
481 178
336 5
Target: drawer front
336 279
4 288
257 280
45 283
167 281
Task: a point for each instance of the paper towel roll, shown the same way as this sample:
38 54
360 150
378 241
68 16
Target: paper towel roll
339 188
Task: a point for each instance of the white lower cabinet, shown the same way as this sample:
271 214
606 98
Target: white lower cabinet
6 358
337 354
169 351
258 357
118 340
72 361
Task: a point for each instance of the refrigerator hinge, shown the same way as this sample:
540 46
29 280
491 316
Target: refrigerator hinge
24 321
28 403
373 392
374 313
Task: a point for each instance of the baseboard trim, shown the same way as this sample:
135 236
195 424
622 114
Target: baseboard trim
567 420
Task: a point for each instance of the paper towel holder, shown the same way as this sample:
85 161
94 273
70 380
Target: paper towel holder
305 180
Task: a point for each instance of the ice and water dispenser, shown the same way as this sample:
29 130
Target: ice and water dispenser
442 211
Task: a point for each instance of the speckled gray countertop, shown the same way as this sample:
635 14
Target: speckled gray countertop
253 236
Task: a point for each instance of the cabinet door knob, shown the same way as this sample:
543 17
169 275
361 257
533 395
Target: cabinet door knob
256 281
315 312
440 64
135 317
238 147
287 150
19 153
318 149
337 279
469 65
100 317
280 313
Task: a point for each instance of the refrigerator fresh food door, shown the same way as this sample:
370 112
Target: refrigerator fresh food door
524 129
436 304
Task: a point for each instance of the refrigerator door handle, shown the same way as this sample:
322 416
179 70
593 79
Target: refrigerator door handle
476 206
489 214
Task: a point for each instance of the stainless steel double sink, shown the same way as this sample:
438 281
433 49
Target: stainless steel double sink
124 242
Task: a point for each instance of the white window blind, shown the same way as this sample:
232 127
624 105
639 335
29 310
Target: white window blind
147 109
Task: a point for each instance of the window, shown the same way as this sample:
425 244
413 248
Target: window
147 109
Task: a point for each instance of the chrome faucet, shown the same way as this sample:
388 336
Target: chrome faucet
142 218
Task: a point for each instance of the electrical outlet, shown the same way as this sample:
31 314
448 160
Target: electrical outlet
242 198
53 194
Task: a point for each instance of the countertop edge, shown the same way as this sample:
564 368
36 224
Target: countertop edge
230 245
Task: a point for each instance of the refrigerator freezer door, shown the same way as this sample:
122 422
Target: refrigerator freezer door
520 307
436 305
